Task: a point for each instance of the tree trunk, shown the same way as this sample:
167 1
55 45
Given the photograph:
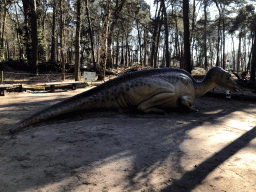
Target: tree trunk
61 41
122 53
7 52
33 22
77 41
116 13
126 49
239 54
154 44
177 49
205 36
26 28
139 38
218 45
109 63
29 6
253 64
117 48
224 40
145 47
233 53
187 59
90 32
104 37
157 43
192 33
18 34
167 55
250 54
3 32
53 48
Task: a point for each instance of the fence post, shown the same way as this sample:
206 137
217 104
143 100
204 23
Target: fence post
2 77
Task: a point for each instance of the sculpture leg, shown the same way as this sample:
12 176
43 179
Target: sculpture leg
157 100
186 103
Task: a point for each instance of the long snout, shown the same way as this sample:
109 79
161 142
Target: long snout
233 86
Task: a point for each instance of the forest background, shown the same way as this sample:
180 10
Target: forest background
109 34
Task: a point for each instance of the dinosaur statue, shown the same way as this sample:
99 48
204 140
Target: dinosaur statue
151 90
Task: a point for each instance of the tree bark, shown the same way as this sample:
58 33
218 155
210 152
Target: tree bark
253 64
239 53
127 63
167 55
122 53
33 23
139 38
116 13
117 48
145 47
192 33
104 37
3 31
61 41
224 40
90 33
154 43
18 34
218 45
205 35
77 41
187 59
157 43
29 6
53 48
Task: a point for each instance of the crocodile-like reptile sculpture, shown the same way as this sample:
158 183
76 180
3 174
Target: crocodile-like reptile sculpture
150 90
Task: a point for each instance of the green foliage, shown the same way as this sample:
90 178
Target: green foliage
135 20
42 46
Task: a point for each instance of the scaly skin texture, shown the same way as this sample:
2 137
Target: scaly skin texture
148 90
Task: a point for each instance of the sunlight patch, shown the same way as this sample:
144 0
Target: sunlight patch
213 112
241 125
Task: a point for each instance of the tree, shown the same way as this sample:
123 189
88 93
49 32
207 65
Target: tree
205 34
167 55
107 33
253 64
53 48
187 57
29 7
156 24
90 32
118 9
223 12
3 30
61 40
104 37
77 41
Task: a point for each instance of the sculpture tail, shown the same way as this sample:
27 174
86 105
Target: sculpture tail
53 111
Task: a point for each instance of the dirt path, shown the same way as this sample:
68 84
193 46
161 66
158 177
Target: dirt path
210 150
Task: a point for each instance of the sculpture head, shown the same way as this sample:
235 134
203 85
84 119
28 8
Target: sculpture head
223 78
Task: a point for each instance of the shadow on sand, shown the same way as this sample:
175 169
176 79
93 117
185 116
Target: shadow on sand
193 178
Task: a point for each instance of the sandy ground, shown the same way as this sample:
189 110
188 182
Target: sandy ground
210 150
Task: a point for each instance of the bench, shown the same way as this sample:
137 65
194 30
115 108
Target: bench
3 89
73 83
